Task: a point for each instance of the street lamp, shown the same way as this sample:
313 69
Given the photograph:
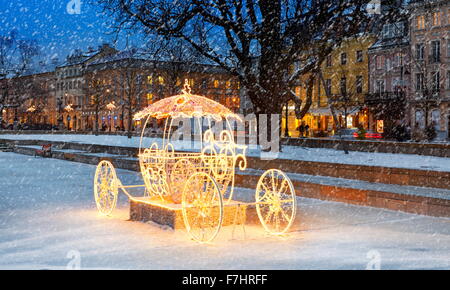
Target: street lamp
68 108
31 109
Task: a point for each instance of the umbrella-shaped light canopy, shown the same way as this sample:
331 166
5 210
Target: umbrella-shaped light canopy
186 105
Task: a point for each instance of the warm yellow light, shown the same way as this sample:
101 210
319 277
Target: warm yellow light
200 183
111 106
68 108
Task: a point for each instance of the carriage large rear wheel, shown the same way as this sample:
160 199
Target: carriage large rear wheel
275 201
202 207
106 187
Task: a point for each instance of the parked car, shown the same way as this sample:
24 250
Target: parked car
352 134
347 134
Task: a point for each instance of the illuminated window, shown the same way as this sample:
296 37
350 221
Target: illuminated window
191 82
349 121
216 84
380 126
178 83
160 80
149 98
436 18
228 84
421 22
149 80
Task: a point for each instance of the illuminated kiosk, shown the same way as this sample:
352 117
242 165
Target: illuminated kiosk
200 185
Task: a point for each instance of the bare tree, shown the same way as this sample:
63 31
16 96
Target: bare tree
16 60
99 96
177 57
131 86
429 82
257 41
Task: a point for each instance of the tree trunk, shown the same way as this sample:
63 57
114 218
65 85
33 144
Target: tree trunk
96 122
343 144
130 122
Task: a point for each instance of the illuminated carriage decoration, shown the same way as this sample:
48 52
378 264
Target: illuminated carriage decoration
203 182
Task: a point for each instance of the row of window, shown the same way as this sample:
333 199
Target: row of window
435 51
69 72
204 82
387 63
76 84
420 83
435 119
435 77
343 58
343 86
437 19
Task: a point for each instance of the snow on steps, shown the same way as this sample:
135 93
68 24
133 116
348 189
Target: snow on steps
430 201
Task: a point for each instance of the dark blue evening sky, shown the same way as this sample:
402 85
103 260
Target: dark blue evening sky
57 31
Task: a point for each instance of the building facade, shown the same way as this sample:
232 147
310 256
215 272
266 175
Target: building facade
430 46
70 83
119 85
345 82
31 100
390 80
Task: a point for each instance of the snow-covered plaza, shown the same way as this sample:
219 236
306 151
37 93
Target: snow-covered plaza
48 220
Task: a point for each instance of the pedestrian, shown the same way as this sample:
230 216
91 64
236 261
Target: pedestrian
306 130
301 129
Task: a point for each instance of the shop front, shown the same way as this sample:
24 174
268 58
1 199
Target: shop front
319 122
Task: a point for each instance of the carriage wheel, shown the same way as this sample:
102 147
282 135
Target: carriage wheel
202 207
105 187
275 201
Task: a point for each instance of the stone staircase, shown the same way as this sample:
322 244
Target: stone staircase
424 192
5 147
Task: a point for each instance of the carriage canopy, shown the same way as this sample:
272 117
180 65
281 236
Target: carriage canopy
186 105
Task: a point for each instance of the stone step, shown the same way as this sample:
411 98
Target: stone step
426 177
413 199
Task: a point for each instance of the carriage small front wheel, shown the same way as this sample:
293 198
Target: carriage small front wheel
202 207
276 202
106 187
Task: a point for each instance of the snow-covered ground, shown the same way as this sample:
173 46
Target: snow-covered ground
48 219
289 152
